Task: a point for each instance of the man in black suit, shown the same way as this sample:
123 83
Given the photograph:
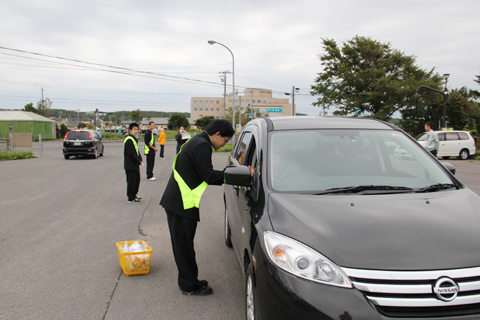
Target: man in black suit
131 162
193 170
150 150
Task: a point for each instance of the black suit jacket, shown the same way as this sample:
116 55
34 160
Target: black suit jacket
131 160
194 164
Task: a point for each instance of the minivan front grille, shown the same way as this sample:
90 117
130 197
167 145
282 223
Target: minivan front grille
423 294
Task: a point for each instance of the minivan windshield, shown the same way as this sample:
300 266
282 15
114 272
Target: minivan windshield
312 161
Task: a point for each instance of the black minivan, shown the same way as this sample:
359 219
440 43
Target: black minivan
334 225
82 142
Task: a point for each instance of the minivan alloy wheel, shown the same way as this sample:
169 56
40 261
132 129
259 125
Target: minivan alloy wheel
464 154
249 298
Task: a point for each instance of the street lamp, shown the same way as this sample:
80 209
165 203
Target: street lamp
233 83
445 98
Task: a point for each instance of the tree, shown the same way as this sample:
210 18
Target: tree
43 107
30 108
204 121
178 120
366 76
81 125
63 130
136 116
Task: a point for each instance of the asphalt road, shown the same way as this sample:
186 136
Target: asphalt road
60 220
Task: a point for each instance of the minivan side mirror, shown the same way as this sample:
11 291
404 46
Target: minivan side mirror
238 176
450 167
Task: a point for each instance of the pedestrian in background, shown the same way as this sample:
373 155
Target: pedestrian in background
192 172
162 139
150 150
131 162
180 139
432 144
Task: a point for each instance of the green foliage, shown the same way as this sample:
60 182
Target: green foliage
366 76
30 108
225 148
178 120
90 126
136 116
16 155
81 125
204 121
244 118
63 130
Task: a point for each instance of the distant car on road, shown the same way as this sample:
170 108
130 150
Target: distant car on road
82 143
349 218
452 144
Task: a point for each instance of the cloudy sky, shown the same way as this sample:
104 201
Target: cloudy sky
161 57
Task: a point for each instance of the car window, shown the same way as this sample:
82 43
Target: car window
451 136
78 135
422 137
242 147
463 135
316 160
441 136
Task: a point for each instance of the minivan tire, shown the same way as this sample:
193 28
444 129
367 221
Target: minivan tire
464 154
250 307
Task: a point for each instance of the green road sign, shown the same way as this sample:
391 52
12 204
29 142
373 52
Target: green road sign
274 109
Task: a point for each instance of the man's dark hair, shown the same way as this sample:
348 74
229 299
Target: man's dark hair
151 122
430 124
220 125
132 125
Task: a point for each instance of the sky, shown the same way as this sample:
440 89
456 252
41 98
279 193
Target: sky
153 55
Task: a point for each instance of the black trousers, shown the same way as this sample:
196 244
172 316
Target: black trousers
434 152
150 163
162 147
133 183
182 233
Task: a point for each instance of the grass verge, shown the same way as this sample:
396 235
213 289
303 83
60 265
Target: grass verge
16 155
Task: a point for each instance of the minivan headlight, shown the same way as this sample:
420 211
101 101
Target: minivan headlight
302 261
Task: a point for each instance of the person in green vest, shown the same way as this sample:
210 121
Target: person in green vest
150 150
192 172
131 162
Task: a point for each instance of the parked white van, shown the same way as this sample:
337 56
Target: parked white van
452 144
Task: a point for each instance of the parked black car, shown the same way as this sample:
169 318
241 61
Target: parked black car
82 142
333 225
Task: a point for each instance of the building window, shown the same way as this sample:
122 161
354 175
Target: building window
194 101
195 109
201 109
241 108
248 101
212 102
264 101
201 115
258 101
217 117
206 101
201 101
212 109
218 109
218 101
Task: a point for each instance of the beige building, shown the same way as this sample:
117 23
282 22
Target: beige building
260 100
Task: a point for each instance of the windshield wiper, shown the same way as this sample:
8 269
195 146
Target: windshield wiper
366 188
436 187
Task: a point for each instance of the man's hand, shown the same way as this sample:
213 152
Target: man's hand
252 171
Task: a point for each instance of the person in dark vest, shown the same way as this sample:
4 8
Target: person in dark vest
150 150
192 172
131 162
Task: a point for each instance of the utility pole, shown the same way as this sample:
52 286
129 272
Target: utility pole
294 113
224 80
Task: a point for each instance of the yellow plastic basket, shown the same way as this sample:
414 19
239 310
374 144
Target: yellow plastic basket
134 263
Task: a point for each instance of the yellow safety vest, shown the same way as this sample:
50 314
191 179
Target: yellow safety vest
191 198
147 148
134 143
